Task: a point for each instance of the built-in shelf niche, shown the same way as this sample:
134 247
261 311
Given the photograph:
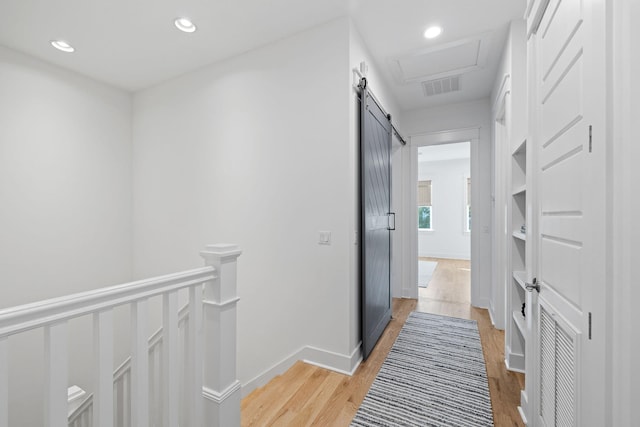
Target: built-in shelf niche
516 333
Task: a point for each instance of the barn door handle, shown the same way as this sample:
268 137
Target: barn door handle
533 286
394 221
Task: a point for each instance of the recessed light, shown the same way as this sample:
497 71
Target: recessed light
185 24
432 32
62 45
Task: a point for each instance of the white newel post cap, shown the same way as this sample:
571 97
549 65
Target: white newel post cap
221 251
223 257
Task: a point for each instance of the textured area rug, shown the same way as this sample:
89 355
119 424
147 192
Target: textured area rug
434 375
425 271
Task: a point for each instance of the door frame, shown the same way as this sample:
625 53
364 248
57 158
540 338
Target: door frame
501 209
410 261
623 388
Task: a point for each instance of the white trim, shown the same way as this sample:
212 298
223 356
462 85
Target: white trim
29 316
227 303
446 136
74 392
337 362
219 397
484 44
431 229
466 203
482 302
444 255
519 358
498 102
521 411
277 369
622 386
528 8
501 265
490 310
471 134
411 219
534 16
226 251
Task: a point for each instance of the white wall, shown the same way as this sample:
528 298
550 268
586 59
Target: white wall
477 114
65 186
256 151
448 238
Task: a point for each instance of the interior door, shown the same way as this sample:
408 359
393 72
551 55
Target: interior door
375 200
569 174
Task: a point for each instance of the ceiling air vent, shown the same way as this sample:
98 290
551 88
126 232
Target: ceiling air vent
440 86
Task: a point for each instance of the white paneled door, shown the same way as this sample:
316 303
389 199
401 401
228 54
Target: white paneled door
567 65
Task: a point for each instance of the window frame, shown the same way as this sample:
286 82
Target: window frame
430 179
430 218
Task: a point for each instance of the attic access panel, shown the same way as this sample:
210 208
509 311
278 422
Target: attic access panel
442 61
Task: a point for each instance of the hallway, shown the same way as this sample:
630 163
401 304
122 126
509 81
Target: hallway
311 396
448 294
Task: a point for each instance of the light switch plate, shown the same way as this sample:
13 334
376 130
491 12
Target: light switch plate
324 237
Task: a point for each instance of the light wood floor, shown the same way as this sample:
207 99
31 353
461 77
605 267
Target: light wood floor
306 395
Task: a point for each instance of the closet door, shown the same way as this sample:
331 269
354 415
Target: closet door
569 178
375 203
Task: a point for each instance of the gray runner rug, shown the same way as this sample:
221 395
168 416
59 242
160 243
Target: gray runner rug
434 375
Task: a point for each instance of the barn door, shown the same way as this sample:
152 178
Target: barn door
375 203
569 175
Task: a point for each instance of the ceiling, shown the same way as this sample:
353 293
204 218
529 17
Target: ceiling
393 30
134 45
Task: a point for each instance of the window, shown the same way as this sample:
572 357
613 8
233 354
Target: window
425 210
468 206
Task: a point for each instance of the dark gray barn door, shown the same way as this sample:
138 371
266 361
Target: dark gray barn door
375 177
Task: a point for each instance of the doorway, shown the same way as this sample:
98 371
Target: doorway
444 223
466 141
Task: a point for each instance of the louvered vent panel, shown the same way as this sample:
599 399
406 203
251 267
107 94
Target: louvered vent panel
440 86
557 373
565 379
547 368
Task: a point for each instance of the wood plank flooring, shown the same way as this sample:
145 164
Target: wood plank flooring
306 395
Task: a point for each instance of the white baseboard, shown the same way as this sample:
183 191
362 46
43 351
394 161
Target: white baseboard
410 292
275 370
522 415
511 359
490 309
483 302
341 363
446 256
334 361
523 409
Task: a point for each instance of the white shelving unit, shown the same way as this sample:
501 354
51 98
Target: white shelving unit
516 330
520 190
519 235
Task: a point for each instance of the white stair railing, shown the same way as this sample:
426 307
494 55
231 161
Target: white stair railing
82 416
185 391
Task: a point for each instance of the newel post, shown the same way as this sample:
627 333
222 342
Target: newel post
221 388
